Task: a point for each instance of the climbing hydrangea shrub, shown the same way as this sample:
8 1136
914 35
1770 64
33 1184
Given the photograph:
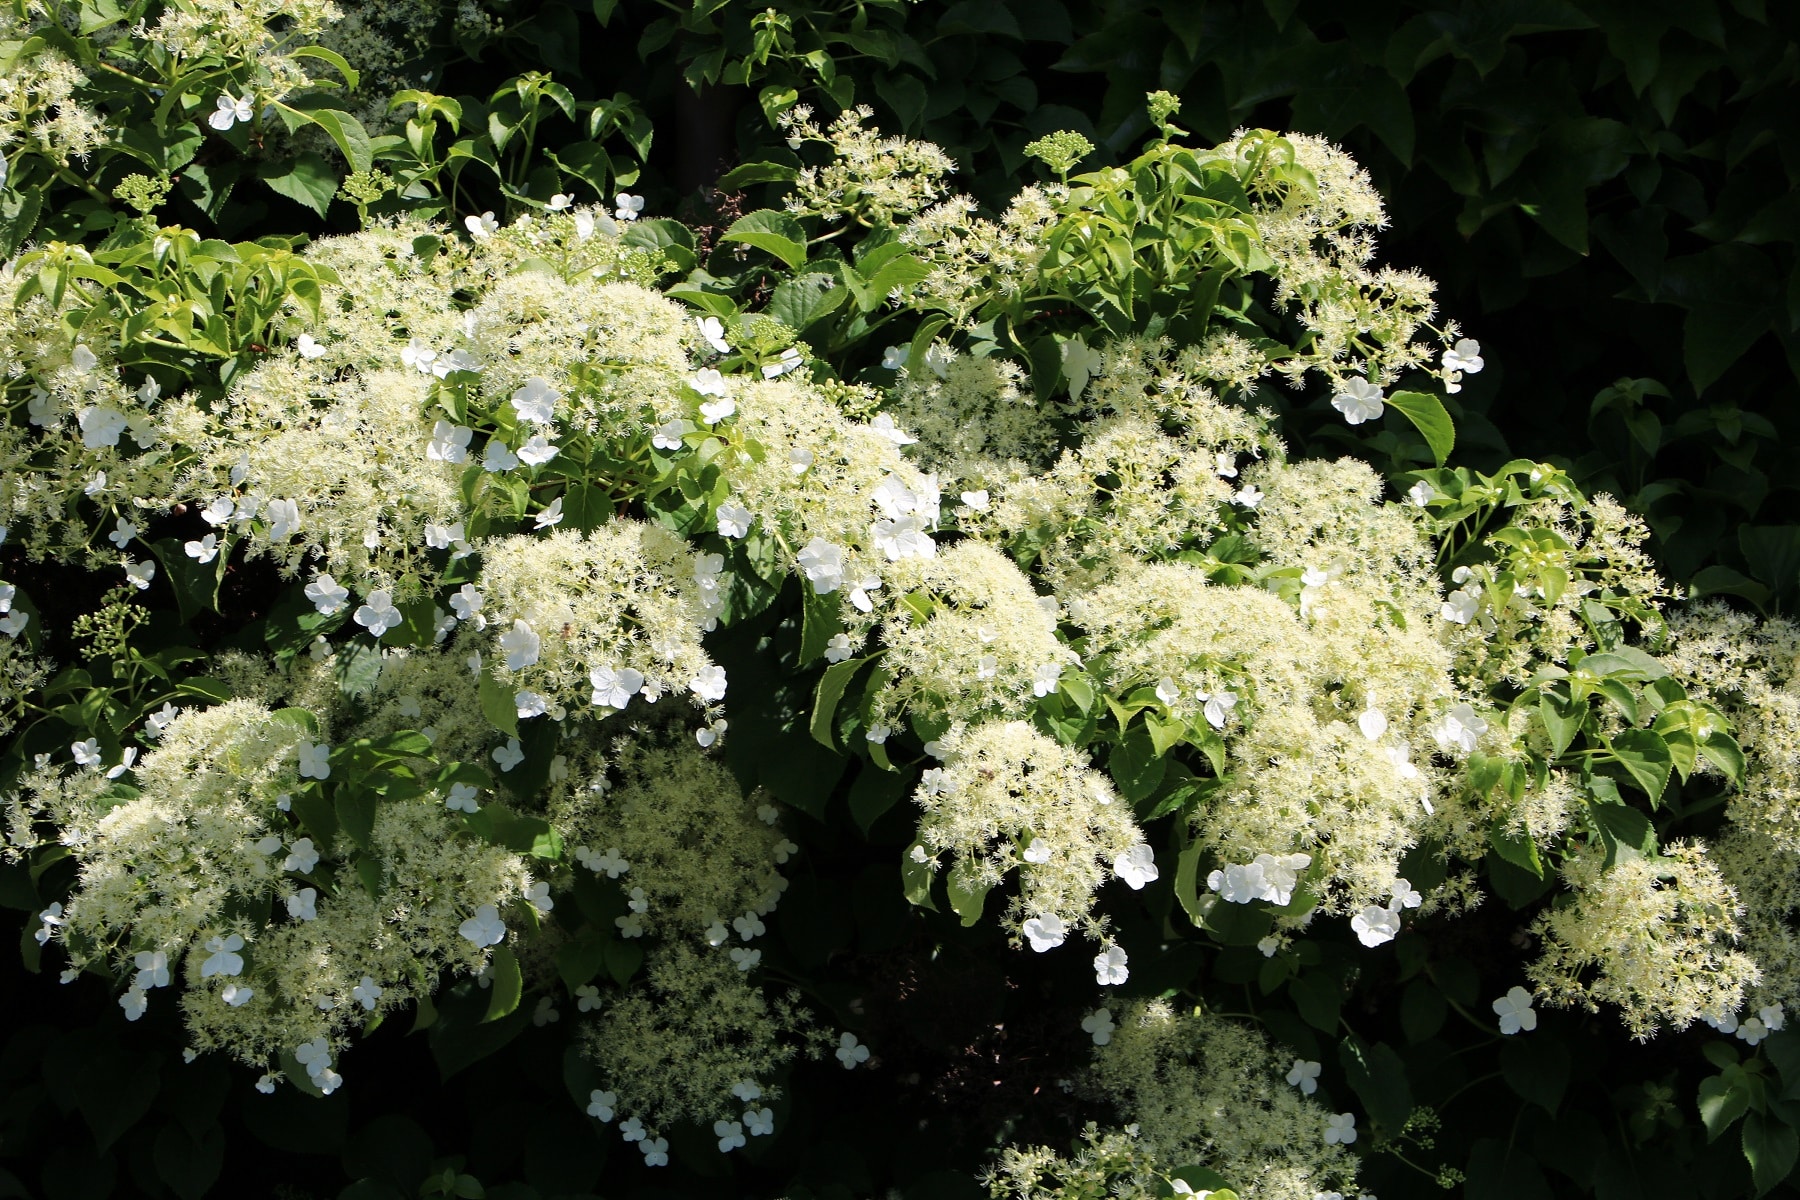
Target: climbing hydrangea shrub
549 514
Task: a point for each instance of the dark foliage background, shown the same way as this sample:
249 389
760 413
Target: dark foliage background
1606 194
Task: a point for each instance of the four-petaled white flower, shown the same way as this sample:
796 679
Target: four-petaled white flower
498 457
461 798
745 959
509 755
308 346
1465 357
668 436
631 1129
303 905
466 603
1137 866
134 1002
152 969
222 956
656 1151
1373 723
1460 729
823 565
521 645
315 760
894 357
759 1122
587 998
139 575
560 201
1305 1076
748 926
1037 852
51 918
800 461
302 857
708 683
536 401
219 511
283 517
448 443
1046 932
204 550
1218 708
481 227
610 863
1460 607
537 450
1249 496
101 427
378 615
550 516
615 688
1515 1011
367 993
1109 967
228 110
1340 1129
730 1135
734 519
485 928
538 896
237 995
1099 1026
1359 401
1420 494
713 331
87 753
122 533
626 207
601 1104
850 1052
789 360
1044 679
838 648
545 1013
327 596
1374 926
714 411
1405 896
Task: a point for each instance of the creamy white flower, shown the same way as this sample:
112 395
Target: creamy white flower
1459 730
483 226
1460 607
139 575
1372 722
520 645
308 347
223 957
1420 494
1305 1075
1249 496
1340 1129
823 565
1037 852
788 361
745 959
204 550
800 461
1099 1026
1137 866
838 648
894 357
1405 896
1218 708
708 683
668 436
626 207
884 425
283 517
615 688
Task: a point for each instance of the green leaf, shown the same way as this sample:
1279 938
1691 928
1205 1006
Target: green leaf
1623 828
306 180
1427 414
1646 759
1135 765
826 697
967 896
745 174
1771 1146
345 130
1723 1099
1187 874
819 623
797 303
508 984
623 958
497 704
874 793
355 808
1537 1069
196 584
775 232
916 877
1516 848
1378 1078
351 78
1562 720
